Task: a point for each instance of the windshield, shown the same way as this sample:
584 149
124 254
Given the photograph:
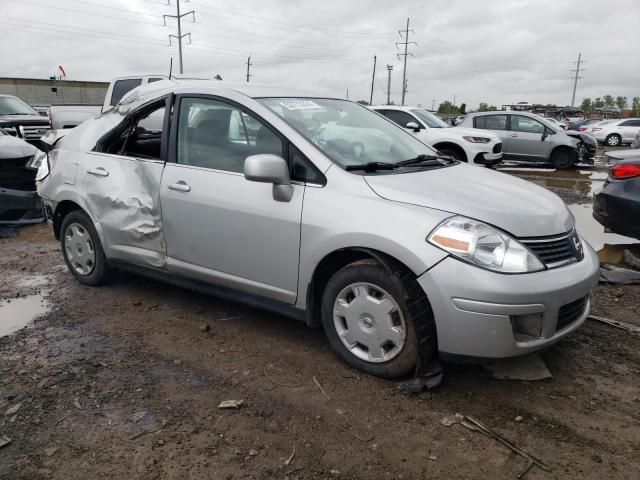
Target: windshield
429 119
347 133
15 106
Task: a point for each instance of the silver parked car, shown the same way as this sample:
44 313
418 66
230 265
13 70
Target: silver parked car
532 138
322 210
616 132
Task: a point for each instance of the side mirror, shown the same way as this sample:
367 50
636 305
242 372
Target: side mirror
413 126
267 168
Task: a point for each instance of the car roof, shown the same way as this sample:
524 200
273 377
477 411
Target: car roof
405 108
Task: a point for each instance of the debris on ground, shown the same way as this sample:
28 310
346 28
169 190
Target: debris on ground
477 426
519 418
76 402
13 410
279 383
615 275
315 380
205 328
528 368
49 452
290 459
630 260
4 441
231 404
425 380
615 323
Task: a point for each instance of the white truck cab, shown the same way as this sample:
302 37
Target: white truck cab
463 144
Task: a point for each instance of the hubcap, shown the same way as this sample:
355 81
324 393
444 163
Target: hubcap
369 322
79 249
613 140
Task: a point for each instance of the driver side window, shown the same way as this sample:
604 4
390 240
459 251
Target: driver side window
400 118
220 136
523 124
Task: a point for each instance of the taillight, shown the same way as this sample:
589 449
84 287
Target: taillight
625 170
582 129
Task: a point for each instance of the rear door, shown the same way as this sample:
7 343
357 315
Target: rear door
525 139
629 130
497 124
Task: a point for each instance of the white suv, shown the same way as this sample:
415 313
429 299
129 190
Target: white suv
616 132
465 144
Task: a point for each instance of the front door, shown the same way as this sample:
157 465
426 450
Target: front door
525 139
220 227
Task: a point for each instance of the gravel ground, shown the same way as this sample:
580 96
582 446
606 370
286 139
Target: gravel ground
124 381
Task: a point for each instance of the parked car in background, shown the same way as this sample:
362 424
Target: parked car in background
19 162
20 120
398 252
616 156
583 125
462 144
456 121
617 205
71 115
556 123
528 137
616 132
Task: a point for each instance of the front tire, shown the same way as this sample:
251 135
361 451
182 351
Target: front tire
82 250
613 140
563 158
371 318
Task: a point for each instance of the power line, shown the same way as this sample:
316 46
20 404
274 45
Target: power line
405 54
178 16
575 80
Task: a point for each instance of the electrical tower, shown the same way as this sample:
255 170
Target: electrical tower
577 77
405 54
389 69
180 35
373 79
248 67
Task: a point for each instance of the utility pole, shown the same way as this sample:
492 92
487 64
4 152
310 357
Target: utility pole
575 79
454 100
405 54
180 36
373 79
248 66
389 69
433 104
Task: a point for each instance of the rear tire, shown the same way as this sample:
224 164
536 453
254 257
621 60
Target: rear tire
563 158
82 250
364 306
613 140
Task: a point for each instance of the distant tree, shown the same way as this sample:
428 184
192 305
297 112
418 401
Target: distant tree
463 108
608 101
621 102
586 106
362 102
483 107
598 103
448 107
635 106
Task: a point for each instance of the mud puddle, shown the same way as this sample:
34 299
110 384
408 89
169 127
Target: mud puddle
19 312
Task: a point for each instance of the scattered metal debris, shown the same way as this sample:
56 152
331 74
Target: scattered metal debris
631 260
231 404
477 426
618 275
615 323
315 380
290 459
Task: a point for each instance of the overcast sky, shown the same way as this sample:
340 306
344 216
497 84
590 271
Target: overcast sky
501 51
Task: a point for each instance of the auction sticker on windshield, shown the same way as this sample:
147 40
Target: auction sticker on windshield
300 105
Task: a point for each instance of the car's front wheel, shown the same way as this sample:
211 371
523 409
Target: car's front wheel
563 158
613 140
374 323
82 250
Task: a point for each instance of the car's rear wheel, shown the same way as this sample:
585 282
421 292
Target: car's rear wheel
563 158
371 320
613 140
82 250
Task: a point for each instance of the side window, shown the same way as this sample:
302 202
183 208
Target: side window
154 79
141 136
630 123
401 118
479 122
495 122
123 86
525 125
216 135
301 168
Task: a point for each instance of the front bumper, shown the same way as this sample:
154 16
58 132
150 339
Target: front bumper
19 207
488 159
476 310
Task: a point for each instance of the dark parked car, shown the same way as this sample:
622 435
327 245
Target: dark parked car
617 205
20 120
583 123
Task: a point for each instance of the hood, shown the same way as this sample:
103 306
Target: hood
12 147
584 136
516 206
23 120
474 132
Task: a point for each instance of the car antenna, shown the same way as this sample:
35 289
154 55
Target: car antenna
170 67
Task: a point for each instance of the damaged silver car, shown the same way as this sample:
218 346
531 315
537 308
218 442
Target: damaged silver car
322 210
19 162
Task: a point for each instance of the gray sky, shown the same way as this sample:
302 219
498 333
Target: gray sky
500 51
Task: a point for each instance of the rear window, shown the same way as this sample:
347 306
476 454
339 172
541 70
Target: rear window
121 87
491 122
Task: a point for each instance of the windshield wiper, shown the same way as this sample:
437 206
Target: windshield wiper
425 160
372 166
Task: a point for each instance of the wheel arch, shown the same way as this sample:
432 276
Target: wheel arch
63 209
452 146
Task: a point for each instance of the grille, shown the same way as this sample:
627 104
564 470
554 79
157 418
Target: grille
497 148
16 176
571 312
33 132
556 251
11 131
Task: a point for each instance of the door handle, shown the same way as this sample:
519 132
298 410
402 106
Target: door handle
99 171
513 135
180 187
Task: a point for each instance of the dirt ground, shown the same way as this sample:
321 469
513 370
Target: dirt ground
124 381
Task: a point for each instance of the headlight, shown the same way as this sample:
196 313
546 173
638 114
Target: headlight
43 165
36 160
477 139
482 245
